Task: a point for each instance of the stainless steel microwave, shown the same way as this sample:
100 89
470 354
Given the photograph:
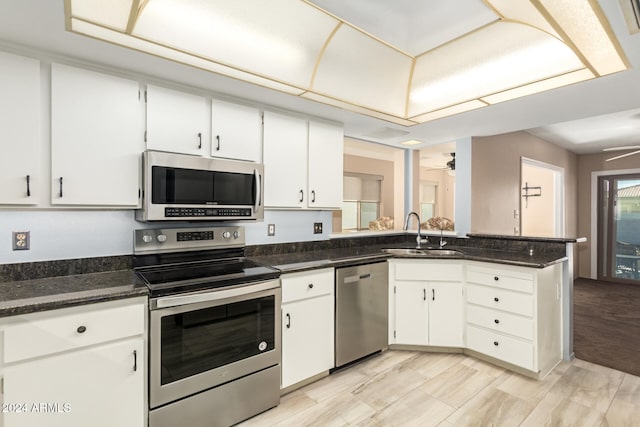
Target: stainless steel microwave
180 187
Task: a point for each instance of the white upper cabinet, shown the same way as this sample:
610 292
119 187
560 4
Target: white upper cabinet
22 172
236 131
176 121
96 138
325 165
285 161
303 163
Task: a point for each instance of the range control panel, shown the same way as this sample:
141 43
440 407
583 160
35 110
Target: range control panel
160 240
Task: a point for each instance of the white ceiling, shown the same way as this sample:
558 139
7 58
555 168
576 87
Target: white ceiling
38 26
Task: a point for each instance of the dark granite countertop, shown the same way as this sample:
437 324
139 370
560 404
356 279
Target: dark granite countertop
344 257
27 296
530 238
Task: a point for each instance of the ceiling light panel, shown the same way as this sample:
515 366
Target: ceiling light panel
110 13
409 25
541 86
121 39
524 12
450 111
503 55
279 39
591 35
363 71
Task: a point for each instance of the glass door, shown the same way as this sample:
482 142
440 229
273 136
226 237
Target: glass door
619 228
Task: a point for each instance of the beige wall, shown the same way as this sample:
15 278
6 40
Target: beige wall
495 180
587 164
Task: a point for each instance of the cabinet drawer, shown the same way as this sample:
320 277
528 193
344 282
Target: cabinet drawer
508 349
66 329
500 321
297 286
512 280
427 270
514 302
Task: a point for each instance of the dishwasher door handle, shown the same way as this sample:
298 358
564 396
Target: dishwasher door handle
357 278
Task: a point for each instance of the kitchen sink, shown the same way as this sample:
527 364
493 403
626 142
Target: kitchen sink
442 252
401 251
426 252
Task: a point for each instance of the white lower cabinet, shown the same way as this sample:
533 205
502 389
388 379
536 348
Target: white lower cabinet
307 325
77 366
513 314
426 303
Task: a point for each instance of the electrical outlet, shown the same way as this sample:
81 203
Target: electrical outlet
271 230
21 240
317 228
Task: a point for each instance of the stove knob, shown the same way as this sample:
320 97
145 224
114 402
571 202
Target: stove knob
147 238
236 234
226 235
161 238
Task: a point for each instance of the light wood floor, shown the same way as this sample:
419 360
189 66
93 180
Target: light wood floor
405 388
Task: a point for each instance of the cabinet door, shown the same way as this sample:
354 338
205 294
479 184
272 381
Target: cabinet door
176 121
325 166
21 167
446 314
307 339
412 313
285 161
236 131
96 138
100 386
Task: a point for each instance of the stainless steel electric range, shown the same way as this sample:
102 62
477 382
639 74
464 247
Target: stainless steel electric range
214 327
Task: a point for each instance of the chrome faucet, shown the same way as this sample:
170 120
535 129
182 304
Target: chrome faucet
442 242
419 238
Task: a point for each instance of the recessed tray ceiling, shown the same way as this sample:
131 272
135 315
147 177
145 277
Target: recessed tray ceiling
405 62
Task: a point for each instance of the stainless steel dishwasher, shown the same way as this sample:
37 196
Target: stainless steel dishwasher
361 311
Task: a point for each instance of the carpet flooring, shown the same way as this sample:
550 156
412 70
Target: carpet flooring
607 324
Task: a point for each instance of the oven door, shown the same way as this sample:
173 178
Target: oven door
201 340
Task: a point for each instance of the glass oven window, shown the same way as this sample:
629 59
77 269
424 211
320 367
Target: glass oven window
198 341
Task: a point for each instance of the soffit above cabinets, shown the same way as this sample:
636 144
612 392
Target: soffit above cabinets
405 62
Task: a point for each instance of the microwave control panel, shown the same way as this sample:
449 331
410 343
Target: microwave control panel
206 212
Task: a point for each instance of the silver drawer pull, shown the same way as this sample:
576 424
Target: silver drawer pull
81 329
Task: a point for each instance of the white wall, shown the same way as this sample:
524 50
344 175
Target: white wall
66 234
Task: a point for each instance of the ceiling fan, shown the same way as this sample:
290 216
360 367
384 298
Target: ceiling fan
630 147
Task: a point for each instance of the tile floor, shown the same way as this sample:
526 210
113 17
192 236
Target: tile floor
406 388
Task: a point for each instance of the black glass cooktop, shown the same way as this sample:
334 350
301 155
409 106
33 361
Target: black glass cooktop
202 275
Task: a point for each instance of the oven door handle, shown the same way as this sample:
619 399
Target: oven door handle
257 180
178 300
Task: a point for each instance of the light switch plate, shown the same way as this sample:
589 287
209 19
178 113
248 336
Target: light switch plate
317 228
21 240
271 230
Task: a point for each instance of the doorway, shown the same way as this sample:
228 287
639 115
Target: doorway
619 228
542 199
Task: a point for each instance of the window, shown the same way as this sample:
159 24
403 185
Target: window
428 191
362 200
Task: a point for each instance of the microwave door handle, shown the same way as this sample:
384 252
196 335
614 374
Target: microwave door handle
256 177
